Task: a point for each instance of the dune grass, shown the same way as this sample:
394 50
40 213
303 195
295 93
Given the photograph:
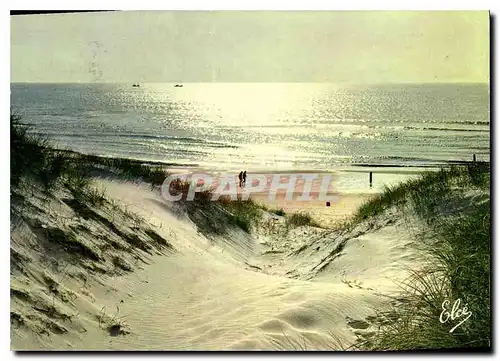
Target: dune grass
50 175
300 219
454 205
35 163
428 190
278 211
238 212
129 168
244 213
34 159
31 158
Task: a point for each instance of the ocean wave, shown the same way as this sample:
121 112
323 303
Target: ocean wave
117 135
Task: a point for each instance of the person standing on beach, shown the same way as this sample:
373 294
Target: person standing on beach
240 177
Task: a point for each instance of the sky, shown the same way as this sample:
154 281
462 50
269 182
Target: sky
237 46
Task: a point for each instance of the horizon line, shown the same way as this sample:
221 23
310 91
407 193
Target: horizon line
247 82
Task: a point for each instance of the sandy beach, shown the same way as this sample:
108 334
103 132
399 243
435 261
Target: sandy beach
341 204
326 215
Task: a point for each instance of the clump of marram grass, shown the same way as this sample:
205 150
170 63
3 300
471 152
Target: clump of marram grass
300 219
34 162
278 212
29 157
428 190
244 213
115 326
179 187
70 242
33 157
136 169
458 245
216 214
130 168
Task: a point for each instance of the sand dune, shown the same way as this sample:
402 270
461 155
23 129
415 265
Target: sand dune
303 288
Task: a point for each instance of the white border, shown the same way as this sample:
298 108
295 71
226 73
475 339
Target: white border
256 5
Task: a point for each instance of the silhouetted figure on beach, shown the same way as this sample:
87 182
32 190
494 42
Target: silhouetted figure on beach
240 177
244 177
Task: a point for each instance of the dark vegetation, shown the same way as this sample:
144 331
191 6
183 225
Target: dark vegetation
243 213
37 168
278 212
428 190
224 211
33 159
124 167
454 206
300 219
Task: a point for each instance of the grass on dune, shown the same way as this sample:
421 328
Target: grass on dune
130 168
454 205
278 211
300 219
34 162
242 213
37 167
427 190
33 159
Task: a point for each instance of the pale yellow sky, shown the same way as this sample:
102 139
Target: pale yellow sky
340 46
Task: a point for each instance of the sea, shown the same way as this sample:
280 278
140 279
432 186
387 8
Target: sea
393 130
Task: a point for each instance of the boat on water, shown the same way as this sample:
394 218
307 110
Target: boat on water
178 86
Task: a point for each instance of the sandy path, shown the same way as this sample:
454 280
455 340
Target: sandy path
199 299
194 305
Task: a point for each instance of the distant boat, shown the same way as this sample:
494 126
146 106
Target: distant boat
136 85
178 86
